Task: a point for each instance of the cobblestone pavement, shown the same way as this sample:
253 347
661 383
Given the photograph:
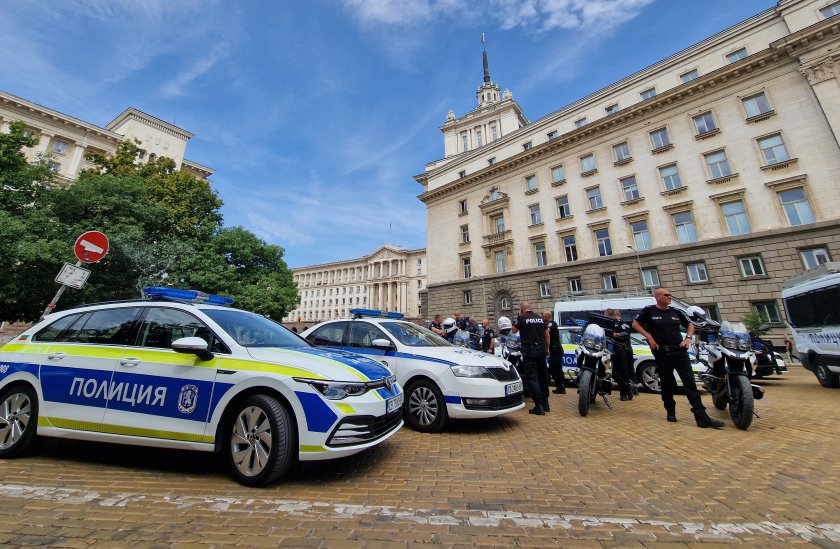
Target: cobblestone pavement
617 478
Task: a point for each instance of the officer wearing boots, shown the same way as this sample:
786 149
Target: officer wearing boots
660 325
535 348
555 359
622 355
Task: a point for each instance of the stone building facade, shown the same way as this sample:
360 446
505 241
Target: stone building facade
389 279
712 172
66 140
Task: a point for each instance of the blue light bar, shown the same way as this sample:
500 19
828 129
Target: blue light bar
393 314
189 296
375 312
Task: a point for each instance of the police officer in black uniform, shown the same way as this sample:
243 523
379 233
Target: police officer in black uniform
622 355
660 324
555 349
535 348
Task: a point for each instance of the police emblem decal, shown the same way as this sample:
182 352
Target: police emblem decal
187 399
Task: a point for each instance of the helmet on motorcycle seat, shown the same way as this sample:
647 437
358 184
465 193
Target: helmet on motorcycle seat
696 316
504 323
449 325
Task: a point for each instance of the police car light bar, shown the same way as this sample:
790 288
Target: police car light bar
188 296
358 313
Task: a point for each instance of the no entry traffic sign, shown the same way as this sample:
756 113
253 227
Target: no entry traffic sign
91 247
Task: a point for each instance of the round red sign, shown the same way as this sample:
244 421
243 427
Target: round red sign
91 247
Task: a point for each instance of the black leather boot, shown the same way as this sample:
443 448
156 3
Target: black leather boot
705 422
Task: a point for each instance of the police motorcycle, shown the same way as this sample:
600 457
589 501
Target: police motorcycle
730 359
594 359
510 343
767 361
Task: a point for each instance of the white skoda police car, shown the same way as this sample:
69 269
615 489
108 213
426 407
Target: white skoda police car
181 370
441 381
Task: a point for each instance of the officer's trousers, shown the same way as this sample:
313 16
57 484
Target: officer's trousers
667 364
535 372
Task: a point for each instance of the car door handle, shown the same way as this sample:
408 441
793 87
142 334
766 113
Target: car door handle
56 356
129 362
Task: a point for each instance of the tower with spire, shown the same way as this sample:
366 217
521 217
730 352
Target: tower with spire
496 115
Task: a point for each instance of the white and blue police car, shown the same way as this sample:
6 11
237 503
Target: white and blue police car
182 369
441 381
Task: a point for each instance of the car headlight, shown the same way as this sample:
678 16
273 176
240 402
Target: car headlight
336 390
470 371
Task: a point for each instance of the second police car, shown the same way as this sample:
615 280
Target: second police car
186 371
441 381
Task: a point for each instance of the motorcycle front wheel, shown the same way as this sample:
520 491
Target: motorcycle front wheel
741 402
584 390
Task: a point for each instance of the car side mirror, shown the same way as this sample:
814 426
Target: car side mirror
192 345
382 344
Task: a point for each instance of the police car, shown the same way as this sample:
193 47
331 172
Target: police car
183 370
441 381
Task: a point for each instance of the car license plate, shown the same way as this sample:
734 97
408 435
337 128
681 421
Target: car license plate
394 403
513 388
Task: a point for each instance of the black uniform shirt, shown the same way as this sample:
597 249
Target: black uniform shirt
554 334
487 339
434 324
663 325
531 328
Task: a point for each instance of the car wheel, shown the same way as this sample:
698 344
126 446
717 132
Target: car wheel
18 420
826 377
648 376
424 409
260 441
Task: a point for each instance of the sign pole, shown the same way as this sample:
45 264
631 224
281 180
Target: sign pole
51 307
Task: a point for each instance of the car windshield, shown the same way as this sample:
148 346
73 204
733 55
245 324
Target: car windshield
413 335
253 330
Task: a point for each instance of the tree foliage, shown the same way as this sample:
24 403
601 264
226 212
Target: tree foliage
164 226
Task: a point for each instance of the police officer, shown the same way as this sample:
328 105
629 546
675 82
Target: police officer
555 359
660 325
435 325
535 348
488 337
622 355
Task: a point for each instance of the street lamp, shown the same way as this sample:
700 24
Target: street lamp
638 261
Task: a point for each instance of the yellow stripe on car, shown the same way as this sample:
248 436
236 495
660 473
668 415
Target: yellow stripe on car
312 449
120 430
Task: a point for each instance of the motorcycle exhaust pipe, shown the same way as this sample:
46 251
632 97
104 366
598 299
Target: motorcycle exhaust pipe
758 392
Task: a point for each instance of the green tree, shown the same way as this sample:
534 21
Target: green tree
752 320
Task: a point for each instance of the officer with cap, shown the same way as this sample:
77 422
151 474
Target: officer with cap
535 348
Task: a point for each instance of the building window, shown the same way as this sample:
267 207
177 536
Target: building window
796 207
697 272
552 134
563 209
60 147
767 310
602 240
54 167
465 234
531 183
539 252
545 289
612 109
773 148
526 146
570 248
814 257
594 197
610 281
500 261
462 206
659 138
499 224
575 285
491 160
689 76
467 297
587 163
630 188
648 93
580 122
736 55
494 194
736 218
479 137
465 141
830 11
504 303
493 133
650 277
718 164
641 235
704 123
751 266
622 152
684 224
756 105
558 174
670 177
534 213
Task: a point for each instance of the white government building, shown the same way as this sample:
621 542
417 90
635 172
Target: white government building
713 172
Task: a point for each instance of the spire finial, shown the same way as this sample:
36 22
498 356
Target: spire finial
486 64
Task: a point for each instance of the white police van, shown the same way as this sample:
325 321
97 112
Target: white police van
441 381
183 370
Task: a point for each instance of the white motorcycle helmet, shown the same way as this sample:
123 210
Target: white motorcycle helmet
696 316
449 326
504 325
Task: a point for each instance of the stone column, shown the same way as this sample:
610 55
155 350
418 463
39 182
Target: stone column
44 144
76 160
822 75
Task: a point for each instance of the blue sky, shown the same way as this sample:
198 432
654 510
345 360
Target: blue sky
316 115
